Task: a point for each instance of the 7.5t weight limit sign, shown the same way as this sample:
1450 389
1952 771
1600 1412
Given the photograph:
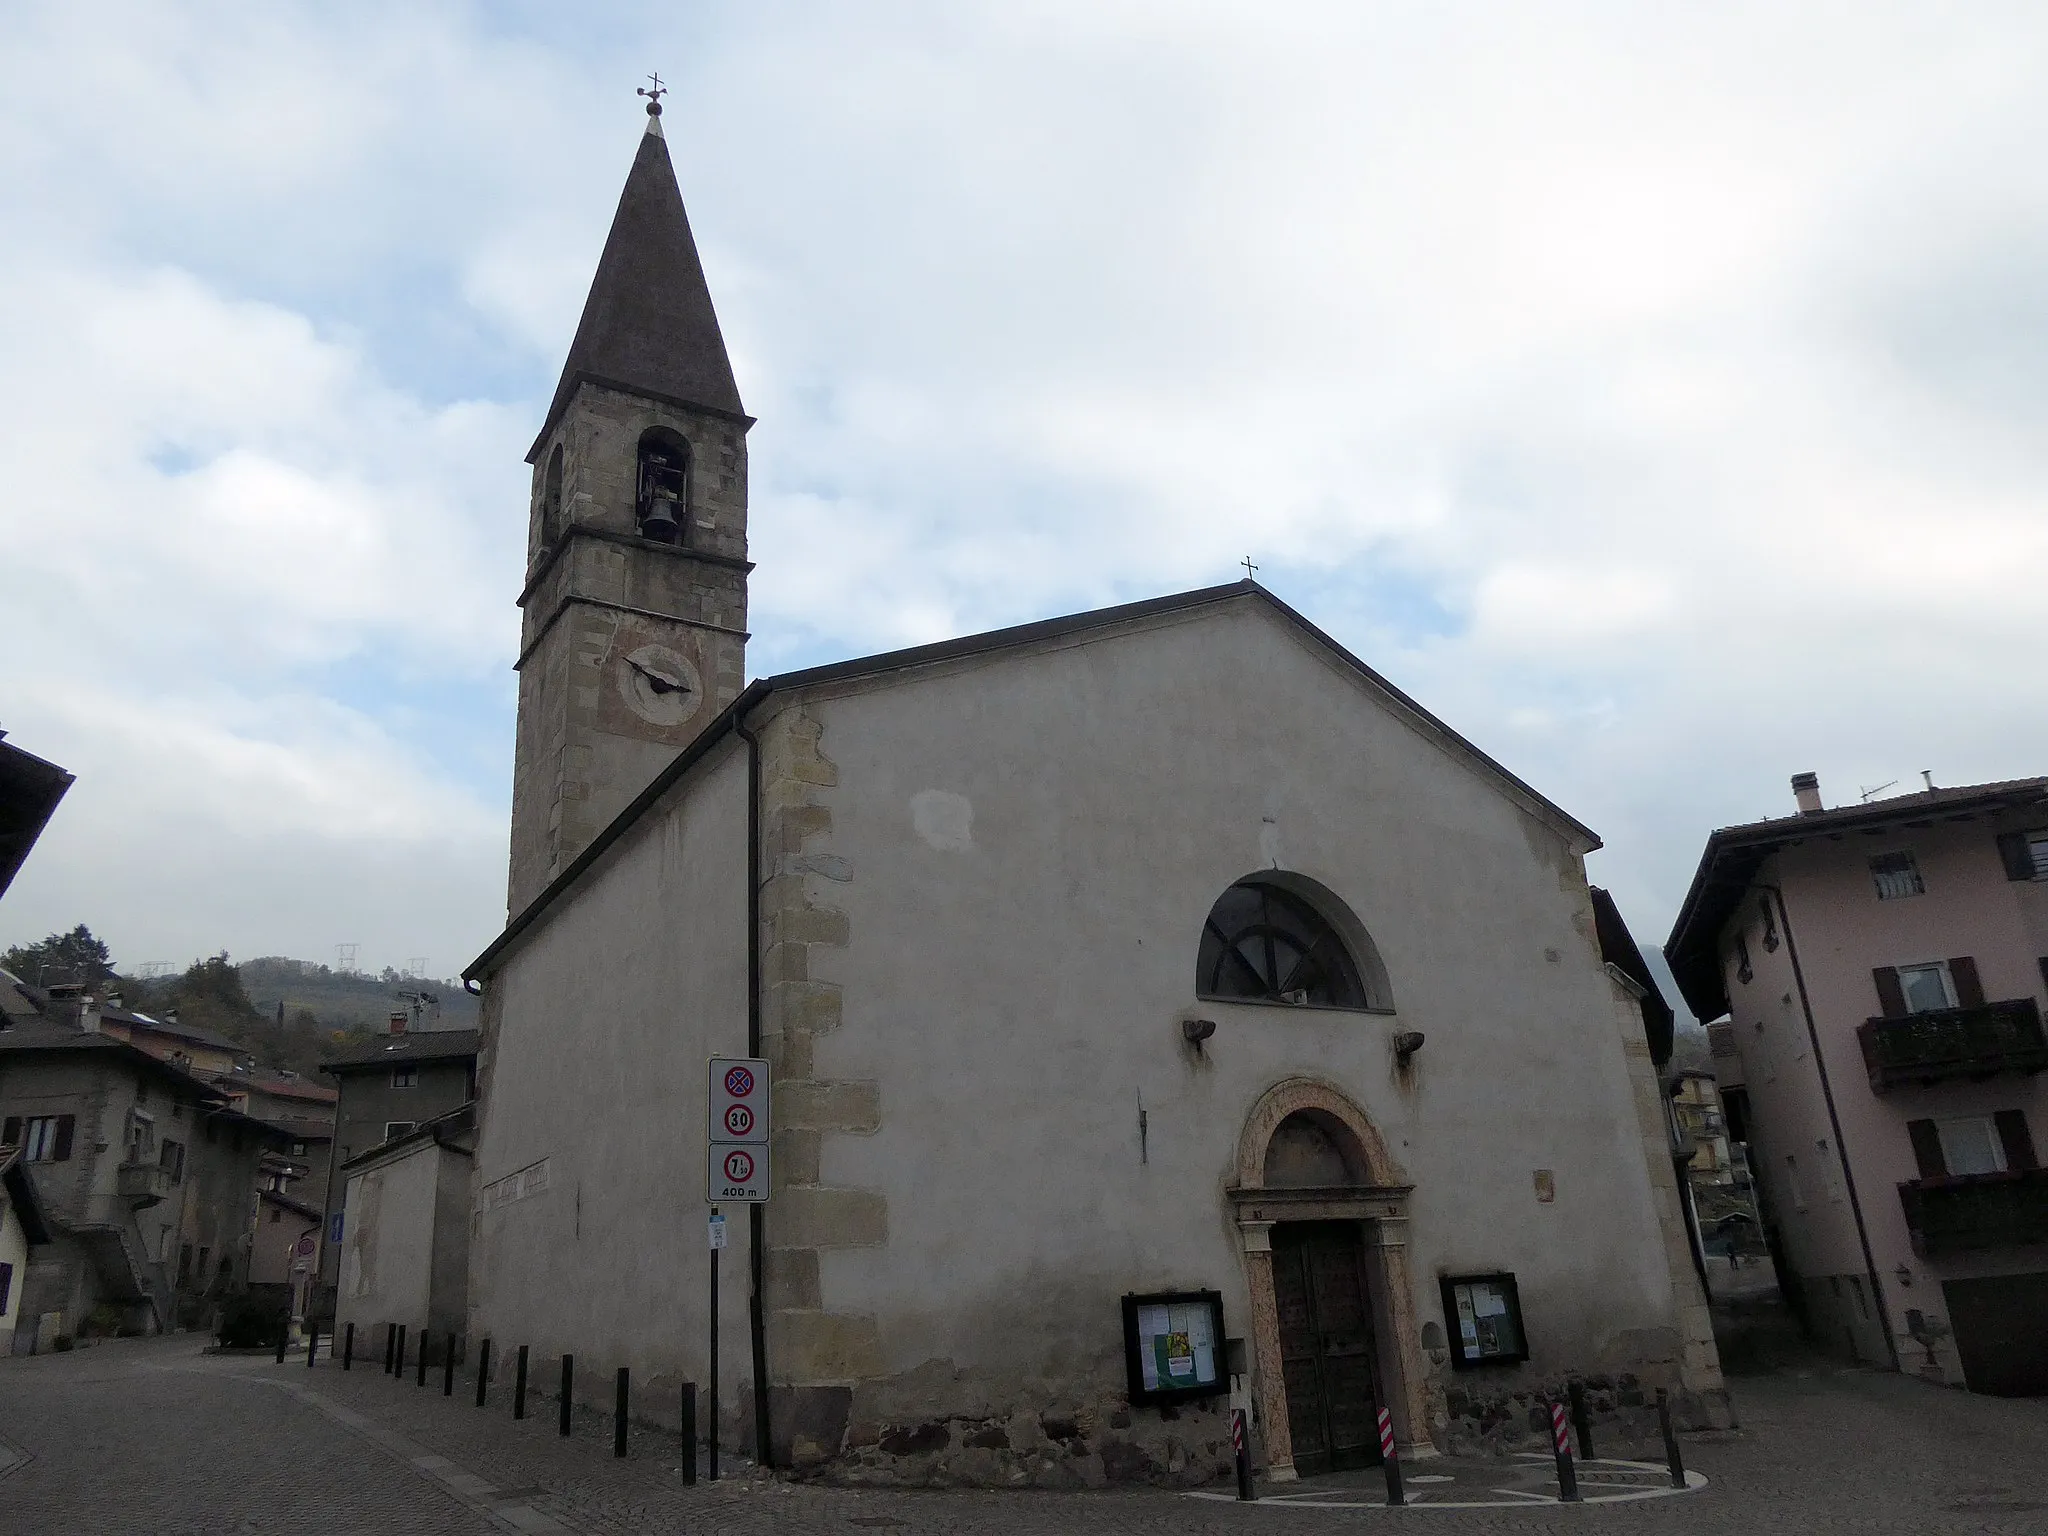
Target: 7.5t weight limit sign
737 1161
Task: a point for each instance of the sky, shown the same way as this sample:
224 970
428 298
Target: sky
1656 392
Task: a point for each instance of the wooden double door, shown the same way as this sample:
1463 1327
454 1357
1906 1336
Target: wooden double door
1328 1353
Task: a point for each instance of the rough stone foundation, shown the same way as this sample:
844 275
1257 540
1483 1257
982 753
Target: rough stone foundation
1502 1420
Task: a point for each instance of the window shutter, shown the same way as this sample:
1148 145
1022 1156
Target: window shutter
1927 1149
1891 998
65 1123
2019 1145
1969 989
2017 857
10 1131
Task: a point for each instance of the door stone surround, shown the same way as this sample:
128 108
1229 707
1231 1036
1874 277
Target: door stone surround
1379 1203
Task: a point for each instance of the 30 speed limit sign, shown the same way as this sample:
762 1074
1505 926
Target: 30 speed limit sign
736 1165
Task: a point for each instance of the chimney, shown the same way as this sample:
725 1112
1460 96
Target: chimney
1806 790
398 1018
89 1014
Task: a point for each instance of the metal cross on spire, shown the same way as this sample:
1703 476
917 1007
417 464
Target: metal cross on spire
1249 568
653 95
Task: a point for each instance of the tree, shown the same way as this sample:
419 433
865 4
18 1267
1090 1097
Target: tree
63 957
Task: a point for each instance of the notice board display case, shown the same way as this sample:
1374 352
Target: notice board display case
1174 1346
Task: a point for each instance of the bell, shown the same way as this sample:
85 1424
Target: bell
660 522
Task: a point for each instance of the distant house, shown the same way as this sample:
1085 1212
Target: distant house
145 1174
284 1254
197 1050
23 1230
1883 968
385 1091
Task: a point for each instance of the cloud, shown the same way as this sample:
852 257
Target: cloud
1653 392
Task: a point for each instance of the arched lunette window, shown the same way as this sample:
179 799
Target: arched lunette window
663 500
1265 942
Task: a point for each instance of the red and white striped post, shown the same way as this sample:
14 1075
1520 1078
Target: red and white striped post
1390 1459
1567 1478
1243 1454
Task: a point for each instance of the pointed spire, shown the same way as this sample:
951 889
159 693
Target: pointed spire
648 326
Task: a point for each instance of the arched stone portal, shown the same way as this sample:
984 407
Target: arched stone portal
1309 1153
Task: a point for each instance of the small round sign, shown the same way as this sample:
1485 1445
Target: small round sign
738 1120
739 1166
739 1082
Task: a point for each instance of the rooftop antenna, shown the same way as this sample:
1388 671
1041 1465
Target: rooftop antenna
1878 790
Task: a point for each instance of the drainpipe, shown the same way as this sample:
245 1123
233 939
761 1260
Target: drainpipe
756 1223
1820 1065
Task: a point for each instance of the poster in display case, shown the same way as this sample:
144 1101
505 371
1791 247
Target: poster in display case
1173 1346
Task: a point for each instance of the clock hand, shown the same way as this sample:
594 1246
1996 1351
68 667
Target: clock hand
659 683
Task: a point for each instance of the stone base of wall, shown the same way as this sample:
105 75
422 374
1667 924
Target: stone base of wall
1500 1420
1090 1445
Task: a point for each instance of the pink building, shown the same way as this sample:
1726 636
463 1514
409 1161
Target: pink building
1884 968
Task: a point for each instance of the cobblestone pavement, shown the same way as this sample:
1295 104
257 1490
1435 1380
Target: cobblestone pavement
151 1436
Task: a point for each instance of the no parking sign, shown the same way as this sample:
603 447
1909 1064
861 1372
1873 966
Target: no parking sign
737 1164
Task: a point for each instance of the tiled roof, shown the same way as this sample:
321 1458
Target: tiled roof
413 1045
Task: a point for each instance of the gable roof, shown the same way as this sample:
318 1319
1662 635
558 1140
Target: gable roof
414 1045
44 1036
648 326
912 658
1618 948
1733 855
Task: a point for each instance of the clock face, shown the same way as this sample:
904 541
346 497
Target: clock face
660 686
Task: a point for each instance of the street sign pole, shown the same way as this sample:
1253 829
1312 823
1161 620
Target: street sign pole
718 1231
735 1171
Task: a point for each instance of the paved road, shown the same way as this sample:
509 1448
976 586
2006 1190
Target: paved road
149 1436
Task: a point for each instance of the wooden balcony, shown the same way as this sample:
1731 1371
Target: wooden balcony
143 1184
1953 1043
1975 1212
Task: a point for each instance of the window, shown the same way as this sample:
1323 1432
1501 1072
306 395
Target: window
1770 918
1970 1145
276 1215
1830 1169
298 1149
1927 988
2025 854
42 1138
551 500
1263 943
141 1140
6 1286
405 1077
397 1128
1743 970
1896 875
1484 1315
663 502
172 1157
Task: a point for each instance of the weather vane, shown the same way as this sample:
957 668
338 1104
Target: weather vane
653 96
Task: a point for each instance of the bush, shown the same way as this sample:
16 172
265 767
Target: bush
247 1323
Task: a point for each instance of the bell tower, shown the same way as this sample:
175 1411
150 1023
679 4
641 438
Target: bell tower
634 624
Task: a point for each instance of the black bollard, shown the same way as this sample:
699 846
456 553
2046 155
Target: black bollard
1567 1478
348 1346
619 1415
312 1343
519 1387
1390 1459
400 1371
390 1344
689 1434
1581 1422
448 1370
1670 1438
483 1369
284 1332
1241 1453
426 1338
568 1387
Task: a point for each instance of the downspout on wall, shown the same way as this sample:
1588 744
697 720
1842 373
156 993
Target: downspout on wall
1827 1092
756 1216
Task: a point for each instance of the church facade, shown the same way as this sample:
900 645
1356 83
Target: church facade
1159 955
